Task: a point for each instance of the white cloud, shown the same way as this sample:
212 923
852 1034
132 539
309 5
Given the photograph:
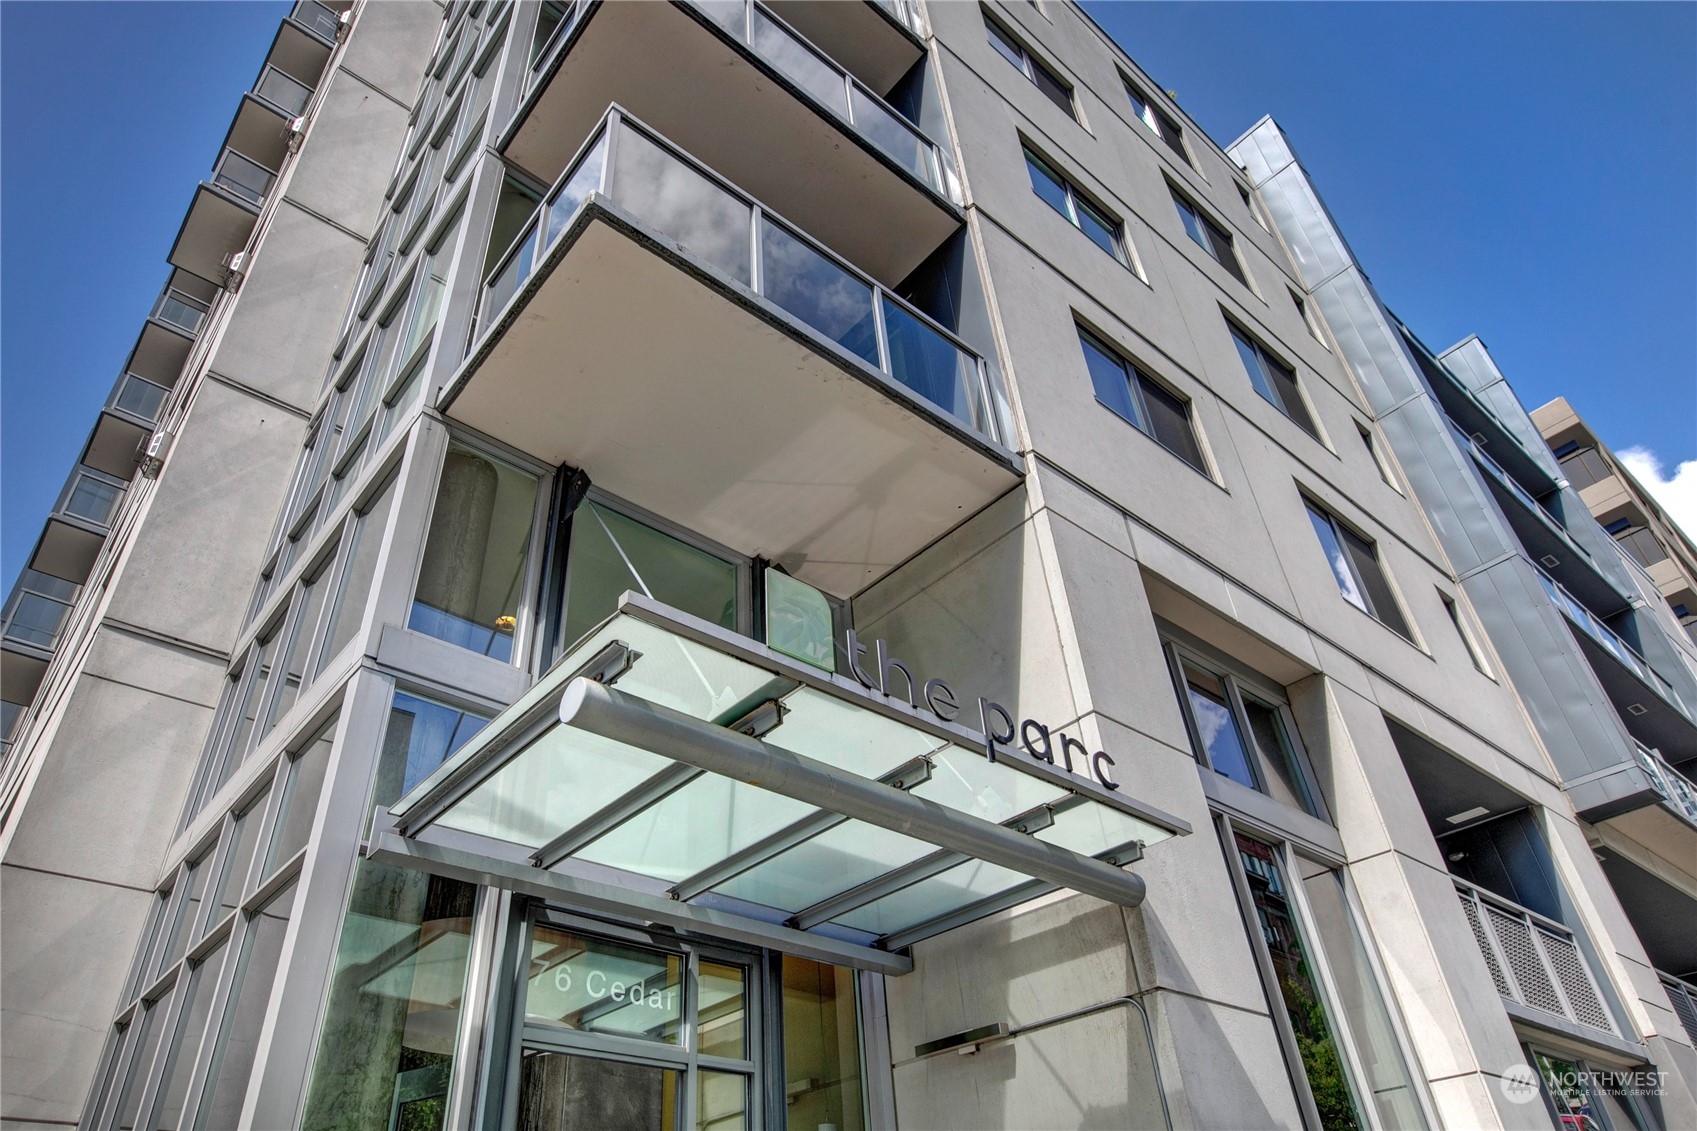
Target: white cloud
1677 493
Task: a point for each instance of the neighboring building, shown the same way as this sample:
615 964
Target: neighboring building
708 560
1623 508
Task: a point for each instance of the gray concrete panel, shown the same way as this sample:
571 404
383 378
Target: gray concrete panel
341 172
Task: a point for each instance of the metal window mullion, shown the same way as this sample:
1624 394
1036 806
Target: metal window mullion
482 967
219 1014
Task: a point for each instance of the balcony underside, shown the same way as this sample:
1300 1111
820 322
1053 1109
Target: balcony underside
112 447
21 669
857 35
1660 913
260 132
1572 569
298 53
67 550
217 224
160 353
711 409
1648 717
661 63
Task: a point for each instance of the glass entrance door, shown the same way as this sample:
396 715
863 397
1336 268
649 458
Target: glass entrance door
624 1034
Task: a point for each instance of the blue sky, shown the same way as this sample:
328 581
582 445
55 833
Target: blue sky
1527 172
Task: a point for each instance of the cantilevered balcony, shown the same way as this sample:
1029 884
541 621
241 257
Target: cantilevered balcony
804 412
34 616
737 87
1647 703
221 216
78 524
877 42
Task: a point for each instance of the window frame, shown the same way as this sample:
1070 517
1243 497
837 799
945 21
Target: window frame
1342 529
1469 639
1208 234
1036 164
1268 387
1007 45
1138 381
1157 121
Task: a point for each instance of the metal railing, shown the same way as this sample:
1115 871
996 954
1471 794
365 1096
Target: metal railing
660 185
1612 642
243 176
322 20
1534 961
282 90
1682 995
831 86
138 397
1677 789
179 309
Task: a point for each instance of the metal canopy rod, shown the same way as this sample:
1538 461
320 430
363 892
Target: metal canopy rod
905 776
907 875
615 813
614 715
623 903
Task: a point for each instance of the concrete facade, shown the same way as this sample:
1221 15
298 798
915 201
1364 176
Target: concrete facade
1424 840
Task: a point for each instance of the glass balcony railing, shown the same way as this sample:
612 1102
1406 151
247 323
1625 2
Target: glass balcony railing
849 100
904 12
1534 961
92 498
38 609
1677 789
179 309
664 188
554 23
285 92
139 398
1612 642
325 22
243 176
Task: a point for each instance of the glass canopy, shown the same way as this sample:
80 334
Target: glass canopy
879 871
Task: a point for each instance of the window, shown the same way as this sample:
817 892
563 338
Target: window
1209 236
1104 231
1160 123
1583 466
1379 460
1309 318
361 558
1355 565
1054 88
472 579
93 498
1464 630
1646 549
421 735
1274 380
1580 1092
1241 732
611 552
1320 976
1142 401
1252 206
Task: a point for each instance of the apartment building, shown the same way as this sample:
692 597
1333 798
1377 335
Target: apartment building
1623 508
764 563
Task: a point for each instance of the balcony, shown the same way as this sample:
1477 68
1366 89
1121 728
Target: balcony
281 90
1662 719
746 94
35 615
299 50
78 525
805 412
1676 790
1535 962
259 133
878 42
221 216
321 20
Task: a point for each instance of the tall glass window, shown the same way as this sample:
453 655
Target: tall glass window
821 1046
471 583
611 553
421 735
386 1052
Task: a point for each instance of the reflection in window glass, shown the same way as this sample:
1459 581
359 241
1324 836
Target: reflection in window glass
817 291
721 1026
1360 1000
240 855
308 606
598 986
611 553
300 801
168 1116
187 913
821 1045
721 1101
386 1053
1285 779
421 735
1297 986
152 1029
561 1091
798 621
356 576
1216 726
238 1037
472 578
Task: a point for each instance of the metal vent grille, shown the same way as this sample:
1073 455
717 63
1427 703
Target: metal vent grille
1584 1004
1471 907
1525 963
1683 1005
